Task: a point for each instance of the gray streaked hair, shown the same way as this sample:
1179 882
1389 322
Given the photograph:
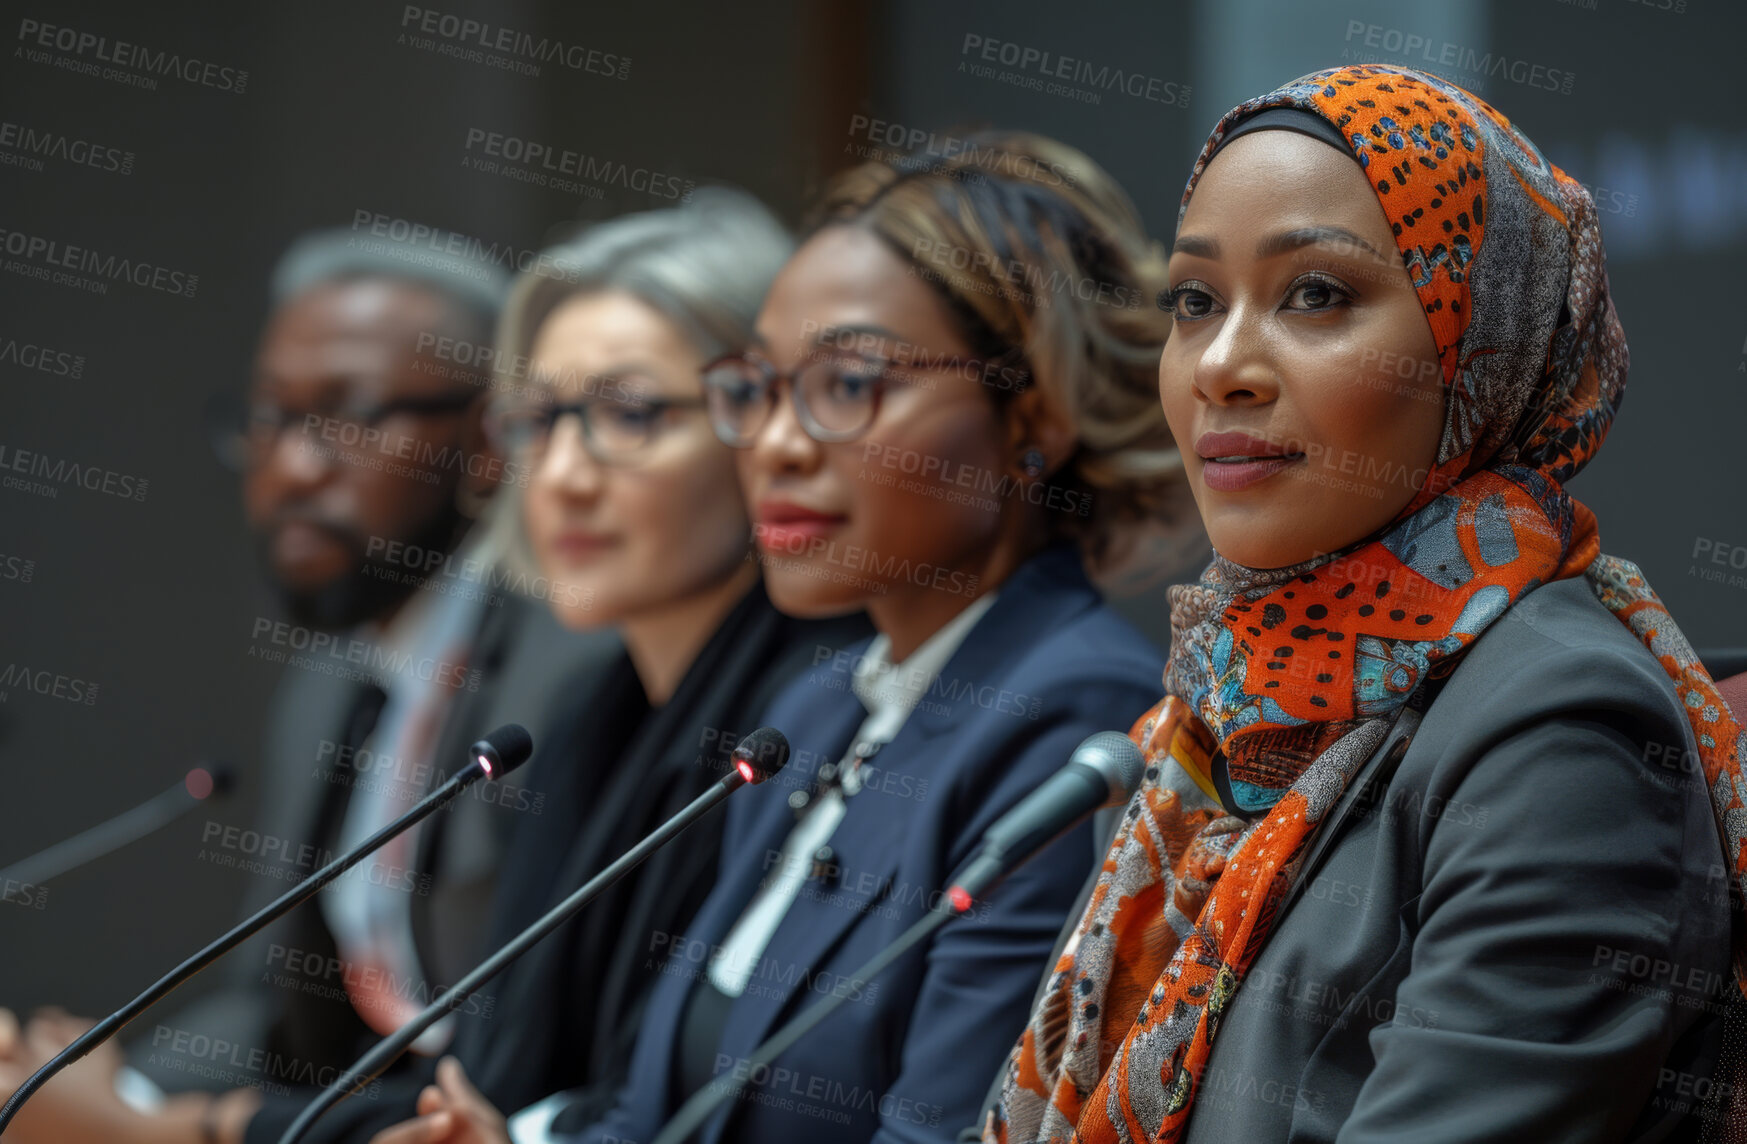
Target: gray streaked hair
705 266
473 287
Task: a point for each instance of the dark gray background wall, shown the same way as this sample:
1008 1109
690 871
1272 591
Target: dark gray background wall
152 600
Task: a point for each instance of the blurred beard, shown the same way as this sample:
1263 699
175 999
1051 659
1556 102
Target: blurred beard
374 590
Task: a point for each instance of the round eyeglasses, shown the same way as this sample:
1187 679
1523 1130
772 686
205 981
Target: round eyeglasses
836 396
241 436
613 432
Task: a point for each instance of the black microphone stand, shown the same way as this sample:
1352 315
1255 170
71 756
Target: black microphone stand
1013 839
109 836
112 1024
704 1101
388 1050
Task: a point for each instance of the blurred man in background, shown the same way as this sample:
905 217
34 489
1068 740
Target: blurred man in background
365 468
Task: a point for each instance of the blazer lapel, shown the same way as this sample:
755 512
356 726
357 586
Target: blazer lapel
867 848
1047 591
462 723
768 827
867 844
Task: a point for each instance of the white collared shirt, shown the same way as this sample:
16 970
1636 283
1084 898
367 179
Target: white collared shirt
890 692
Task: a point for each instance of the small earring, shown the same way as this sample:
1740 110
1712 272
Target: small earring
1032 463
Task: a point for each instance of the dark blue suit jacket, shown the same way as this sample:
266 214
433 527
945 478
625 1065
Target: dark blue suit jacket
910 1057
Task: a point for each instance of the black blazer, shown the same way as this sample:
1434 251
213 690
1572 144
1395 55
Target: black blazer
564 1017
1522 939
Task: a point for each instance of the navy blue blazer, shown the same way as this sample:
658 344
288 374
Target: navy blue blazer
909 1057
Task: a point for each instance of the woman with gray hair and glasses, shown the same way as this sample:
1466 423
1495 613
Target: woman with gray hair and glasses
633 516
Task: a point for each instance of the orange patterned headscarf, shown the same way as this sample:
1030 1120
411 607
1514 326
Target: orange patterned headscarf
1282 682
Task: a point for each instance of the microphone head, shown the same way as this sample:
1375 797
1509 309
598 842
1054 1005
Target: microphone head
213 781
1114 756
503 750
761 754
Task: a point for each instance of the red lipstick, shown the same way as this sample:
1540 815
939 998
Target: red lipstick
787 526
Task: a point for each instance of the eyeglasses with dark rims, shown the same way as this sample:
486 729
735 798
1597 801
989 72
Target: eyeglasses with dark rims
836 395
614 431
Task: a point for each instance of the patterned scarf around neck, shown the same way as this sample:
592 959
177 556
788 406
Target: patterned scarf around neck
1288 678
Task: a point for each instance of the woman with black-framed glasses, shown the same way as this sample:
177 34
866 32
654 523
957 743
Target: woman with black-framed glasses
629 518
835 390
950 449
616 427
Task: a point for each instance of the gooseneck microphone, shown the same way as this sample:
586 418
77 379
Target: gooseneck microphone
1104 770
492 757
759 755
148 817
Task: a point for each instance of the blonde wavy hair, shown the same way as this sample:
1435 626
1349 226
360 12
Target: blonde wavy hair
1041 256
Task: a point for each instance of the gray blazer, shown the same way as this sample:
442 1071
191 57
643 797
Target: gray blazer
1523 938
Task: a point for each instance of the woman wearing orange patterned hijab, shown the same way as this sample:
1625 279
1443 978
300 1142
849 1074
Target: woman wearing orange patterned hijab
1388 370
